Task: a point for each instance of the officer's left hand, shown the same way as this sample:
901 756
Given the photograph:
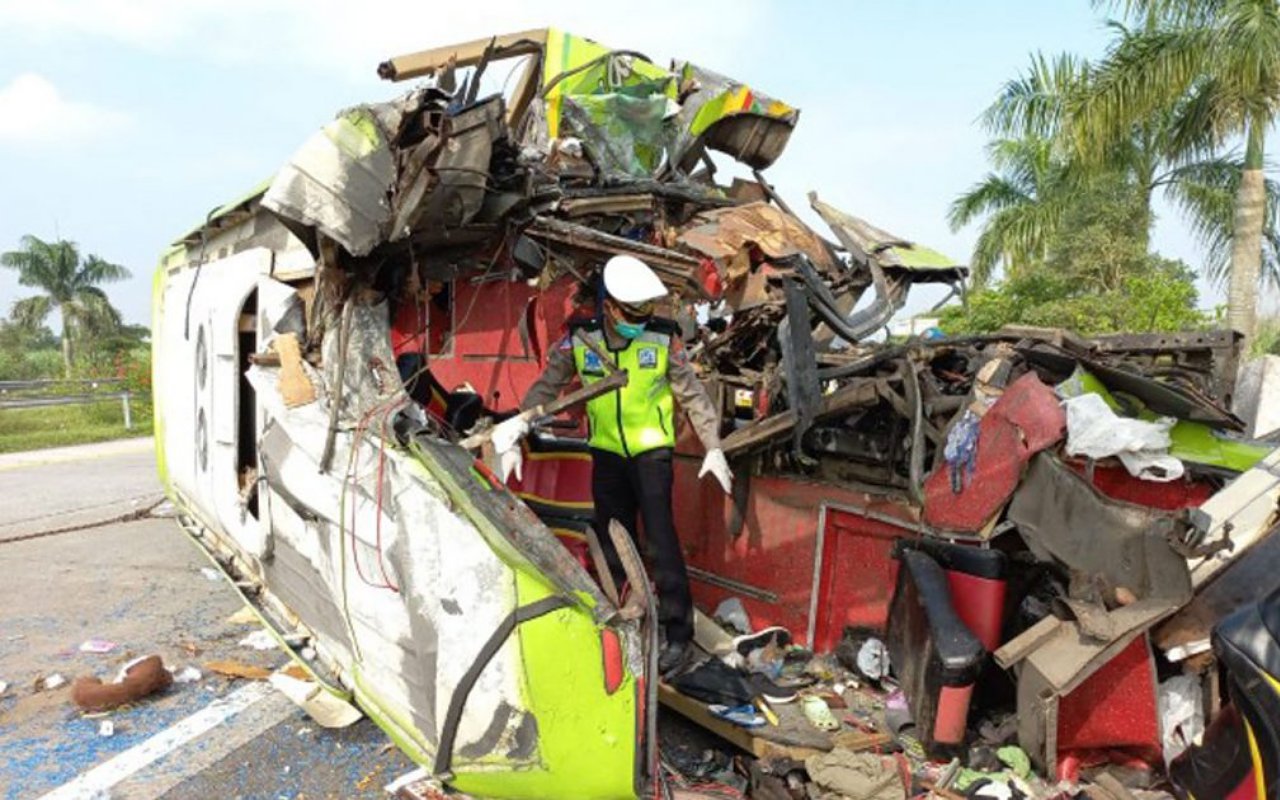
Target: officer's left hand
717 465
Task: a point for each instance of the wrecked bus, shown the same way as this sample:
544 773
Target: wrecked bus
331 350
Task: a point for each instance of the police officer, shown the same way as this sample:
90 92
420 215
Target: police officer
633 431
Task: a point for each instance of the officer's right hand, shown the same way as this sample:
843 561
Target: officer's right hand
506 443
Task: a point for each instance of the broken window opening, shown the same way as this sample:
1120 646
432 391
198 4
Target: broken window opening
247 420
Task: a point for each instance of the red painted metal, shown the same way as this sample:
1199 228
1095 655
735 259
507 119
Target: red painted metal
487 348
858 572
1118 484
614 671
1114 709
772 544
555 478
1025 420
953 714
979 602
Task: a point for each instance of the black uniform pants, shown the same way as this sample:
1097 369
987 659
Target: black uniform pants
622 486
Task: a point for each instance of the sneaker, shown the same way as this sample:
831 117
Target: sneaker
773 636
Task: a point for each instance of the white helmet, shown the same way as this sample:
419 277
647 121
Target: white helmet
629 280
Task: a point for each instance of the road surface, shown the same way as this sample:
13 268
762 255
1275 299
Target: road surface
137 582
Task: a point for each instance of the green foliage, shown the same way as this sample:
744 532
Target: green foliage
70 284
28 353
1096 278
1163 298
1020 205
36 428
1267 340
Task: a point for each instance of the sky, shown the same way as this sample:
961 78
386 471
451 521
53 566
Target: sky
123 122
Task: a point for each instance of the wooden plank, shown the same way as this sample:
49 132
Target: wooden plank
757 745
1024 643
698 714
615 380
858 393
467 54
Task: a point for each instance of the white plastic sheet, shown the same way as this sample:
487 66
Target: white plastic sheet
1095 431
1181 714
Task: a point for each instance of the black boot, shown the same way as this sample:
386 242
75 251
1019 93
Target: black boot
673 658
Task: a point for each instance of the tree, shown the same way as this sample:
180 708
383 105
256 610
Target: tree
69 283
1155 153
1021 203
1213 68
1096 277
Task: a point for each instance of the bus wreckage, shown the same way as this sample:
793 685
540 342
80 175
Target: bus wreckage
332 350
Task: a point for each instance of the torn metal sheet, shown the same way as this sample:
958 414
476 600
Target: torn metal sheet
724 233
1024 421
1247 579
1238 516
339 182
1062 518
866 243
719 113
443 178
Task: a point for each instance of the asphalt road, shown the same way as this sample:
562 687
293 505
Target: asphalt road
69 577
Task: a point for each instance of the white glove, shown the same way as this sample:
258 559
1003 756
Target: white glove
510 461
716 464
507 434
506 443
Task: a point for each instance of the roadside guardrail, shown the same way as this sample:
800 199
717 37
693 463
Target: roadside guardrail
25 394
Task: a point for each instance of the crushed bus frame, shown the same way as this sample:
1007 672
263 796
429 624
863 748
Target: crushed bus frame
325 343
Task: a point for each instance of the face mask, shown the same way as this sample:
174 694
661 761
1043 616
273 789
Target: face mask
628 330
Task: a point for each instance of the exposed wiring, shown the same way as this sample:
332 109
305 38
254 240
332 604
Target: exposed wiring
204 240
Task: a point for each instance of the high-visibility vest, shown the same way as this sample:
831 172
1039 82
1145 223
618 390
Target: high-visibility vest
640 416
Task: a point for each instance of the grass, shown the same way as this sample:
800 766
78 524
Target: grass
56 426
1267 340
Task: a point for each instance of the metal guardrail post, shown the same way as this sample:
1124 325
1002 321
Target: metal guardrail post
124 400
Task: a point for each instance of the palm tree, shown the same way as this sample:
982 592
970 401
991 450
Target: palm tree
69 284
1021 203
1214 67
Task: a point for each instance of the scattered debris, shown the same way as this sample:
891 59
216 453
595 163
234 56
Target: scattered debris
245 616
187 674
49 682
419 785
327 709
138 679
260 639
106 728
211 574
236 669
98 646
858 776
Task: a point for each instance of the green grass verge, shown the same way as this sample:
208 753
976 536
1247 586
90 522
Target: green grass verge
56 426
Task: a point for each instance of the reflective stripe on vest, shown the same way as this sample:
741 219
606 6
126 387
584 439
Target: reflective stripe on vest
641 415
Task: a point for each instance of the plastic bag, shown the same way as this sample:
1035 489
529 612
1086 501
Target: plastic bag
1095 431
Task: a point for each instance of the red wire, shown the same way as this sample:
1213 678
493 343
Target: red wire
382 460
361 428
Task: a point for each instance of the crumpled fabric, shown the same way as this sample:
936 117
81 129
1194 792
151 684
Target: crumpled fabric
858 776
1095 431
715 682
961 450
